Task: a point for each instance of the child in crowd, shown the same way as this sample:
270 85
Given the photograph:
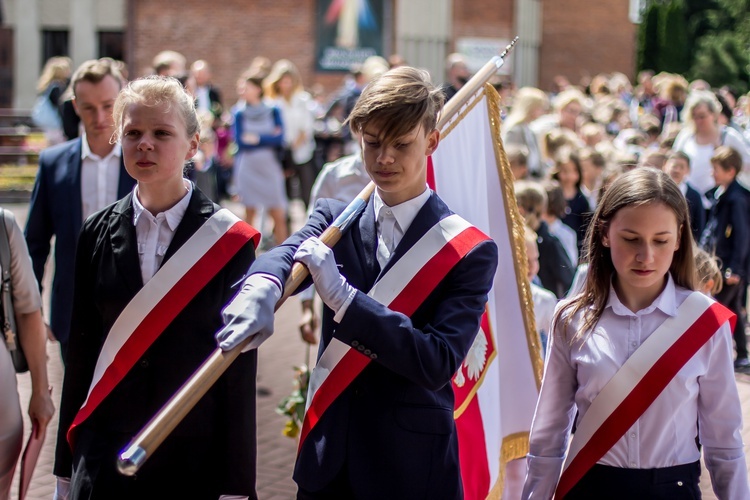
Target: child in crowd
678 168
641 403
556 209
708 272
517 158
567 171
544 300
592 167
555 268
129 354
727 235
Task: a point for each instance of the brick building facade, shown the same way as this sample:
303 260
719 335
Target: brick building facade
577 38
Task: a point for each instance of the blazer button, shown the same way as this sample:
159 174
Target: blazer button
373 356
355 343
144 363
361 348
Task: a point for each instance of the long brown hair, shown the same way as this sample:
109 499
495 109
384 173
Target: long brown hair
641 186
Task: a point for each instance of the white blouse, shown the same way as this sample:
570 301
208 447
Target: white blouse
702 401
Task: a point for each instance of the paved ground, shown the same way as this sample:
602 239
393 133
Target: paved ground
277 358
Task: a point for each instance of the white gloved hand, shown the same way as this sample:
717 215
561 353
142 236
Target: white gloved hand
330 285
62 489
250 313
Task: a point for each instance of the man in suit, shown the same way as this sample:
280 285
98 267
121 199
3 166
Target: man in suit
76 179
207 97
390 432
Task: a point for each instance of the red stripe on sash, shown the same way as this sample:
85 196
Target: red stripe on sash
164 312
406 302
643 394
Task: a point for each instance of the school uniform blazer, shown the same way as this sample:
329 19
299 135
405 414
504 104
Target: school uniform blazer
212 451
55 210
732 228
697 212
392 430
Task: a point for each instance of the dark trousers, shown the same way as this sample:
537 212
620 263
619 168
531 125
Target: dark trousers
616 483
339 488
731 297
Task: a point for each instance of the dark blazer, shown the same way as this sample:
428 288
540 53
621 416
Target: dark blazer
697 212
55 210
555 269
729 226
213 450
392 429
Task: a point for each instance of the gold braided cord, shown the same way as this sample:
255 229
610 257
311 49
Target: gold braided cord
514 446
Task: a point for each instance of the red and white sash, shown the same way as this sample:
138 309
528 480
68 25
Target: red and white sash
403 289
165 295
639 382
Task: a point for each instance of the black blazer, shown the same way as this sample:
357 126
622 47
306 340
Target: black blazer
697 212
555 269
392 429
212 452
729 226
55 210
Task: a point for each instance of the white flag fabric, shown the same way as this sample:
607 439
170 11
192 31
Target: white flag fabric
498 384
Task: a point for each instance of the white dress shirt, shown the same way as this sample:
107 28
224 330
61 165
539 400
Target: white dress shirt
404 213
155 233
99 178
701 400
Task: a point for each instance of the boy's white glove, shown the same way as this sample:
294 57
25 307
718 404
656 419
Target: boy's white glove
330 285
250 313
62 489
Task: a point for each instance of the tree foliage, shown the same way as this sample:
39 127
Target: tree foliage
707 39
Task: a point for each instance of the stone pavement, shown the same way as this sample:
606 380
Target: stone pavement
277 357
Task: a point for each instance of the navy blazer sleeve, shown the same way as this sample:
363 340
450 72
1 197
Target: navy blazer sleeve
428 354
39 227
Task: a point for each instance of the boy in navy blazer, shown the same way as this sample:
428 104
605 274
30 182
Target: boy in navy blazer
727 235
390 433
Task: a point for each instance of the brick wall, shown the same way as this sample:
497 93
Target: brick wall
483 18
228 34
581 38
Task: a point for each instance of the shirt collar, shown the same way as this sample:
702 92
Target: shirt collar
173 216
86 150
665 302
405 212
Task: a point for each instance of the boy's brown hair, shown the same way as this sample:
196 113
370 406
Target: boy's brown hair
727 158
397 102
94 71
679 155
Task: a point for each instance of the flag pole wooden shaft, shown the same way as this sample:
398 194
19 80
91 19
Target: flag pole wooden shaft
171 414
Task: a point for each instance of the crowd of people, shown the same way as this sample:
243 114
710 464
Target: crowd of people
633 196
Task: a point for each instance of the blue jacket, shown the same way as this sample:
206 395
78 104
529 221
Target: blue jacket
392 429
56 210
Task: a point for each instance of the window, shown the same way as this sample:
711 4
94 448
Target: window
112 44
54 43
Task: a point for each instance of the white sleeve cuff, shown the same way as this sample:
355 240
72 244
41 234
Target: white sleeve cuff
342 310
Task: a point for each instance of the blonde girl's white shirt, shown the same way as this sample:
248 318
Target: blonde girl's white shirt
297 118
701 400
154 234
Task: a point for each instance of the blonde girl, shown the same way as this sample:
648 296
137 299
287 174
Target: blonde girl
126 251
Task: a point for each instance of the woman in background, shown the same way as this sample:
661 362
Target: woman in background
283 88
